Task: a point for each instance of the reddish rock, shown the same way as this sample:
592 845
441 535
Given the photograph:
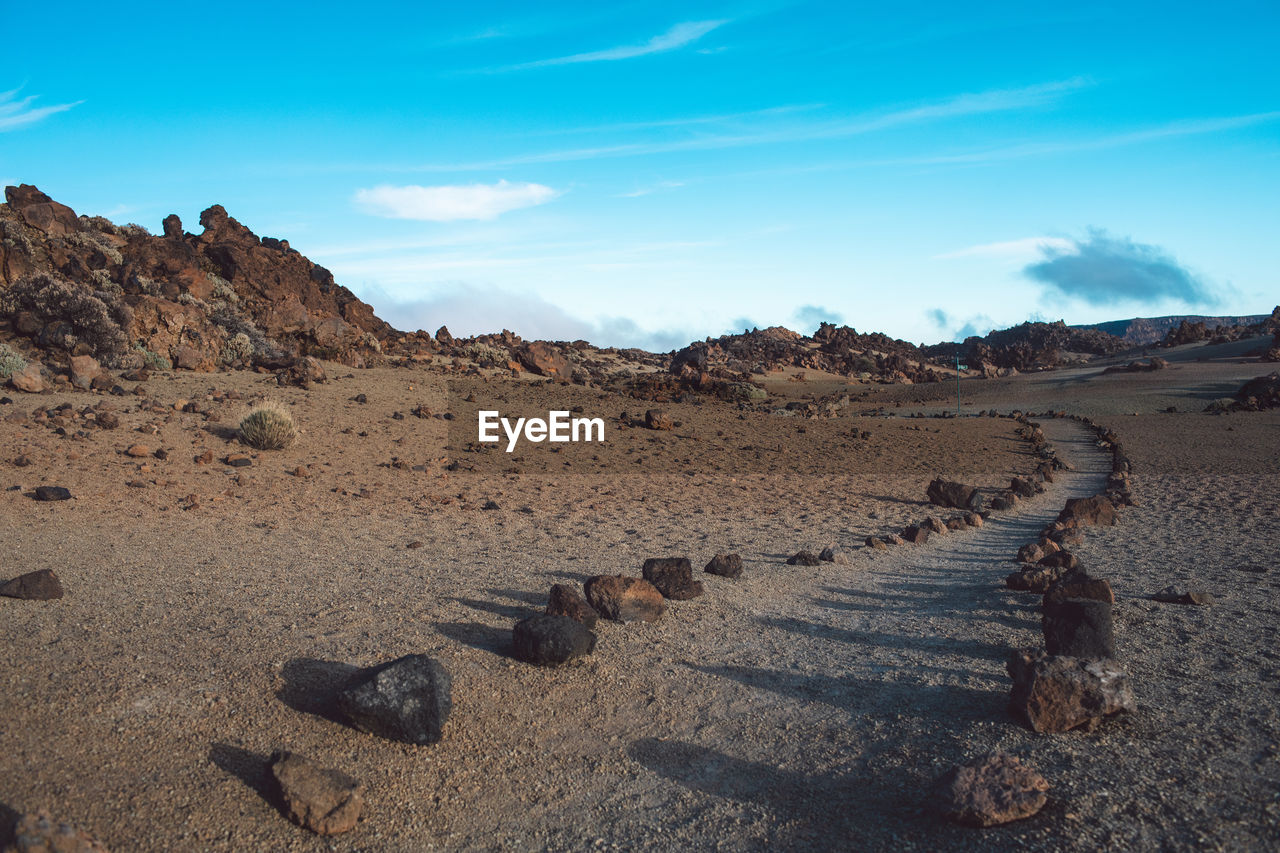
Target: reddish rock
951 494
625 599
40 585
973 519
876 543
1034 578
725 565
83 370
29 379
803 558
543 359
658 419
956 522
1064 560
915 534
1097 510
304 372
1178 595
894 539
1057 694
564 600
325 801
673 577
991 790
933 525
137 451
1030 553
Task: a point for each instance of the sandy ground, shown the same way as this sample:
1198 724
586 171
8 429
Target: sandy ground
209 611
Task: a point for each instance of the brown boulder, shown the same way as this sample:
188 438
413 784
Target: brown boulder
1097 510
672 576
1030 553
84 369
915 534
29 379
990 790
658 419
565 601
803 558
725 565
40 211
1079 584
541 358
625 599
1033 579
1079 627
327 802
1178 595
1064 560
876 543
40 585
303 372
950 494
933 525
1056 694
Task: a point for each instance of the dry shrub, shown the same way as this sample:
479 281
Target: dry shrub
269 426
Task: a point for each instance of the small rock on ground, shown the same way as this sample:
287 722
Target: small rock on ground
40 585
325 801
991 790
407 700
549 640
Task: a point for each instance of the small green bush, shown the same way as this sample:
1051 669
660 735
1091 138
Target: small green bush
10 361
239 348
268 427
153 360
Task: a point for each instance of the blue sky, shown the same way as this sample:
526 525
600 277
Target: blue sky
651 173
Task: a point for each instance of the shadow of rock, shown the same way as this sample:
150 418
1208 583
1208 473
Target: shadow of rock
480 636
506 611
252 769
312 686
8 822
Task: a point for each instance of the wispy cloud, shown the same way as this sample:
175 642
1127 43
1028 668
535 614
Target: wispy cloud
451 203
661 186
19 112
677 37
976 103
1025 249
1106 270
686 121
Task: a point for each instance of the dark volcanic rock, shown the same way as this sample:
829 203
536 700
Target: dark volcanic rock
407 700
915 534
548 640
1079 627
1024 488
993 789
41 585
324 801
834 554
951 494
625 599
725 565
672 576
803 558
1079 584
565 601
52 493
1034 578
1056 694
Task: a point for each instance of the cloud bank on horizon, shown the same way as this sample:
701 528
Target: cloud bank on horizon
645 173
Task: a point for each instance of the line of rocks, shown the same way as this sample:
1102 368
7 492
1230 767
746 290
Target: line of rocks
1075 680
564 631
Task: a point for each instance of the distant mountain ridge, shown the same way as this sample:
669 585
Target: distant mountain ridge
1141 331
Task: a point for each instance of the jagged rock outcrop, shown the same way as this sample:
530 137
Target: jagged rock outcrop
84 286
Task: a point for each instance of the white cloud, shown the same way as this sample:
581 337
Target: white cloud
676 37
1026 249
451 203
661 186
15 112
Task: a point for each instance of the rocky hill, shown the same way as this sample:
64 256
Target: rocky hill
1030 346
81 285
1143 331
